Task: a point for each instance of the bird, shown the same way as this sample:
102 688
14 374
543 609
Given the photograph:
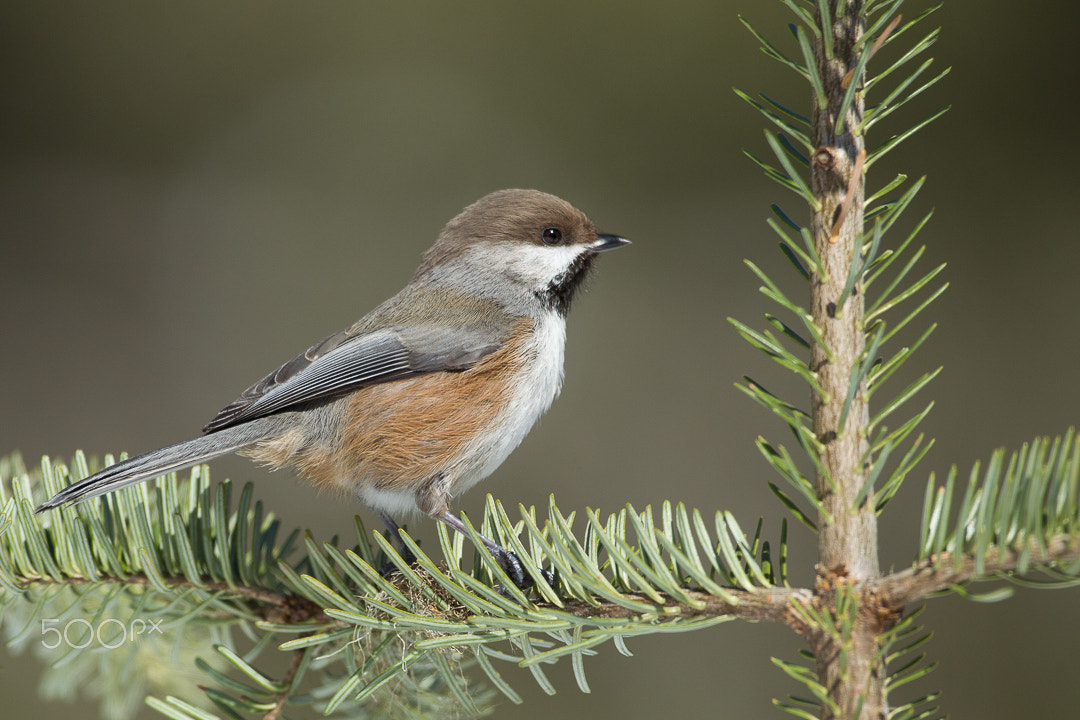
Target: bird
427 394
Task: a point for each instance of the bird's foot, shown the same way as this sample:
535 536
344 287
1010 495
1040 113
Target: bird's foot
515 570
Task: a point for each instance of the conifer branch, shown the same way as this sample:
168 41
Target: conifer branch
181 550
947 570
273 606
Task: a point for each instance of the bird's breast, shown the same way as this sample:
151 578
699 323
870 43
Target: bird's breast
537 384
457 425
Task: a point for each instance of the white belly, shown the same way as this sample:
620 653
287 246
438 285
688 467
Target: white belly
536 391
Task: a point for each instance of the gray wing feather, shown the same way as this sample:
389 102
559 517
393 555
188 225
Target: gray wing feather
346 361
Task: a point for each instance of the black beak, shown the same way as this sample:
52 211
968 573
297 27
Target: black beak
604 242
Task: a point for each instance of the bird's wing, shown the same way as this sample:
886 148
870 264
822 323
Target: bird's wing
348 360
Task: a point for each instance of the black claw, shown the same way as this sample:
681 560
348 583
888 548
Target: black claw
515 570
511 565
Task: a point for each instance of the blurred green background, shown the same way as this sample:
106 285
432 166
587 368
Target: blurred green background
192 193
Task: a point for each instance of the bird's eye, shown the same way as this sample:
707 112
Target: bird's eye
551 236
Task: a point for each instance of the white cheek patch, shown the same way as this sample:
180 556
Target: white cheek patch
537 265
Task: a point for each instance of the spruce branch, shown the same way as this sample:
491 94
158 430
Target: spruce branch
948 571
1017 518
848 447
198 559
627 573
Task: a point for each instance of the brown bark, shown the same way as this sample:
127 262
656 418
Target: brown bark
847 538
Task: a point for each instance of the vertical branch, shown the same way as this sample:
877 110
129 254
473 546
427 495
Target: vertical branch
848 538
847 542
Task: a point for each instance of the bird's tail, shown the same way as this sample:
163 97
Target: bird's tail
159 462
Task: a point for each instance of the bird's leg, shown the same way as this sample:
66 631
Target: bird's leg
432 498
507 559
